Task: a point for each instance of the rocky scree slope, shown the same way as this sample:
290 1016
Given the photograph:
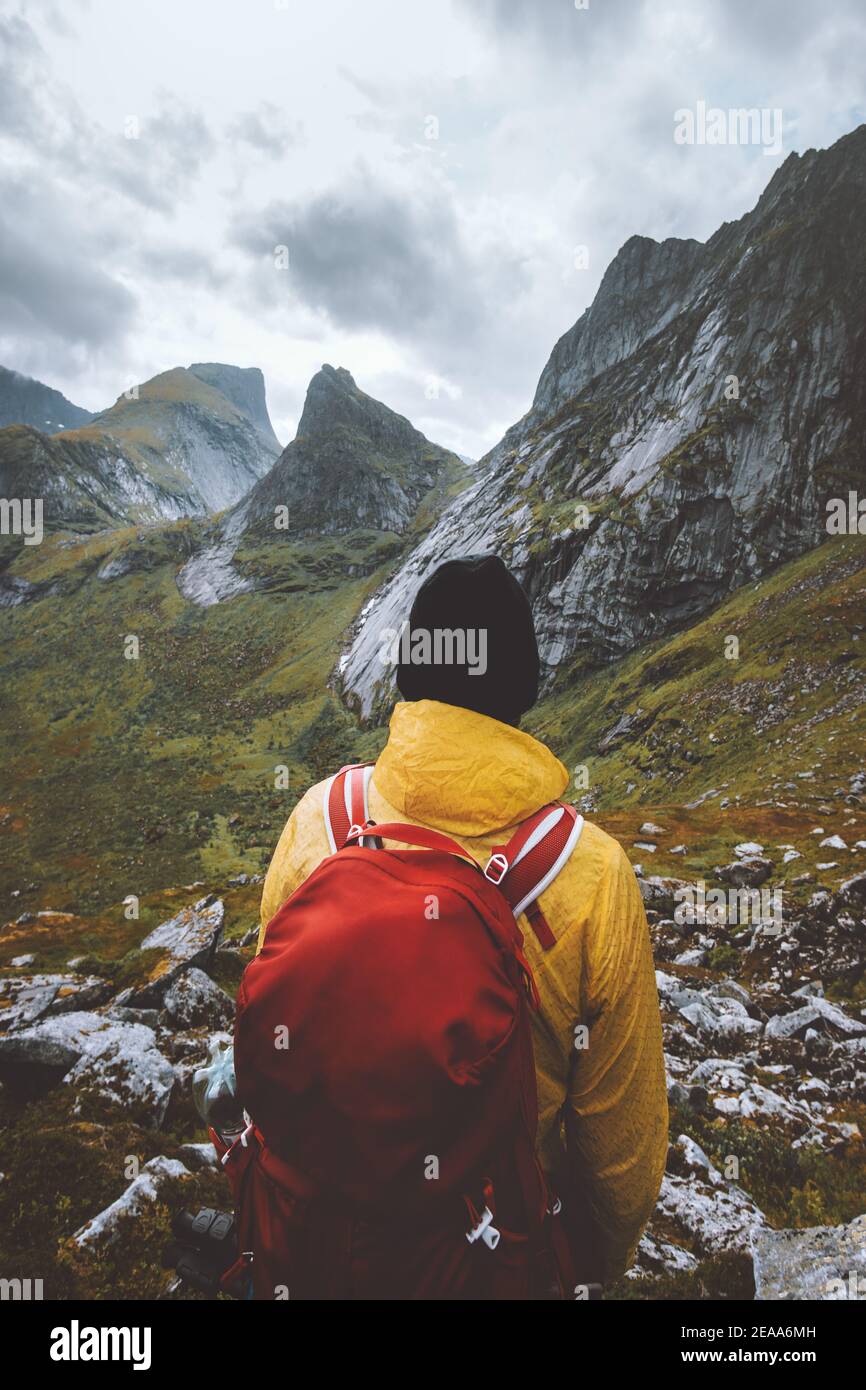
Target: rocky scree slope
635 495
764 1059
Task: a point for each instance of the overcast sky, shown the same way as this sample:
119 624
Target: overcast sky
431 166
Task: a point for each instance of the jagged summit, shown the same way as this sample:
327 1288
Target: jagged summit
354 464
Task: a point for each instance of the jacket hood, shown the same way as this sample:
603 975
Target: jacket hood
455 770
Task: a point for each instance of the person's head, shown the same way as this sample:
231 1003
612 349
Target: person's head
479 651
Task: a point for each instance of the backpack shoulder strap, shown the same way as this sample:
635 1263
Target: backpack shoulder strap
344 804
531 860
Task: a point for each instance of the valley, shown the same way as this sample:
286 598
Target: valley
703 635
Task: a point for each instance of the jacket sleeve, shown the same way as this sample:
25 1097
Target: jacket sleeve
616 1113
286 871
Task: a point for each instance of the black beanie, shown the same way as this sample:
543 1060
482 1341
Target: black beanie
476 594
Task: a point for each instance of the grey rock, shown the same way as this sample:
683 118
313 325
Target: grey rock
199 1157
31 1065
792 1025
822 1263
107 1227
119 1062
746 873
188 939
195 1001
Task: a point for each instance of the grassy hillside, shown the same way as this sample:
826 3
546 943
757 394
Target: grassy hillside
155 775
127 776
767 742
123 776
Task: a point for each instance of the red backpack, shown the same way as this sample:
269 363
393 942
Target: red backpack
383 1050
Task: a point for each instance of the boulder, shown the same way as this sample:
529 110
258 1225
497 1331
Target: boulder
119 1062
792 1025
661 893
816 1013
721 1020
194 1001
822 1263
853 891
199 1156
188 939
746 873
24 999
715 1215
31 1065
104 1229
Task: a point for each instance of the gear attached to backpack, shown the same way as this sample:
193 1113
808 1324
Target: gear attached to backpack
383 1049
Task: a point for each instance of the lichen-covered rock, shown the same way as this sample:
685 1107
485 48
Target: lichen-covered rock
188 939
24 999
119 1062
104 1229
194 1001
821 1263
699 1210
714 1216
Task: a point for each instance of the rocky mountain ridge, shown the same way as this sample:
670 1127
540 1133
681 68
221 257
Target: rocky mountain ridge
685 435
186 443
25 401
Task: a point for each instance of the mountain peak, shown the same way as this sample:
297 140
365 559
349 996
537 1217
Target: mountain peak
336 375
335 402
353 463
245 388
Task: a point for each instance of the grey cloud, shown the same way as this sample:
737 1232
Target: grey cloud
38 112
266 129
156 167
771 27
50 283
18 51
372 258
187 264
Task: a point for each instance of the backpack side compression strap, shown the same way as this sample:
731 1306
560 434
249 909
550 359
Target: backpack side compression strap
345 802
531 860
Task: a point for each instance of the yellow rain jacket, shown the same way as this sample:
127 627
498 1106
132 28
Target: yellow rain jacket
602 1106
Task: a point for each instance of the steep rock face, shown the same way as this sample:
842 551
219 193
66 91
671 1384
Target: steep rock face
186 435
353 464
645 483
24 401
84 484
245 388
181 448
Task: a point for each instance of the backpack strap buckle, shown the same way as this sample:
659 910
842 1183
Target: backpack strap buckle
496 868
485 1230
531 860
